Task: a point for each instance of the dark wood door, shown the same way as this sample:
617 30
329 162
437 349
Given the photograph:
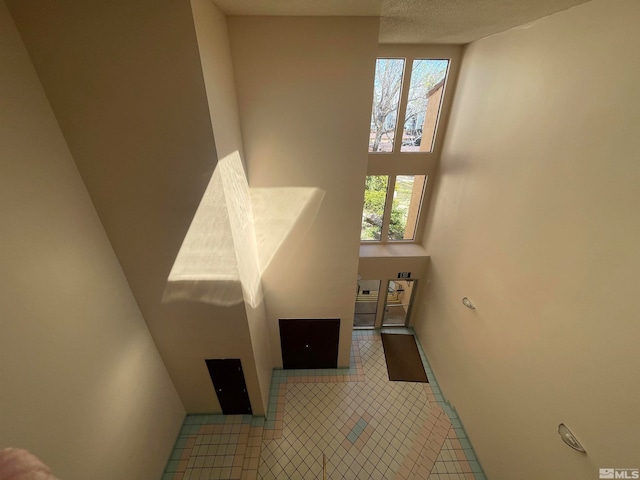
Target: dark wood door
309 343
228 381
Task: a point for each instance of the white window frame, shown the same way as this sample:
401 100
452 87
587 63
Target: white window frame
396 163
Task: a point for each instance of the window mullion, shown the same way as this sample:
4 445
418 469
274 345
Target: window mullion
402 110
388 205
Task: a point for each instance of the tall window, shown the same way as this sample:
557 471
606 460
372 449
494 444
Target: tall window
392 207
421 104
404 123
386 101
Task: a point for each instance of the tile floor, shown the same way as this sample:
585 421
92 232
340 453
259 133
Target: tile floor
367 426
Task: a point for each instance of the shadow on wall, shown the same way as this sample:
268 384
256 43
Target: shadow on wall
235 235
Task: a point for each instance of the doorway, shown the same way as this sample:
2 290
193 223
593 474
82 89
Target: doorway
398 305
366 304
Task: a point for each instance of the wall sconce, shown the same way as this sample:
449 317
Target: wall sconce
569 438
467 303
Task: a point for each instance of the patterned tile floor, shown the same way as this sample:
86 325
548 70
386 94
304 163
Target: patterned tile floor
367 426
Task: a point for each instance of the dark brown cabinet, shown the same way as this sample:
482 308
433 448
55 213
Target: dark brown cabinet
309 343
228 381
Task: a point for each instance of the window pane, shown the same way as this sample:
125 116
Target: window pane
375 196
423 104
405 209
386 100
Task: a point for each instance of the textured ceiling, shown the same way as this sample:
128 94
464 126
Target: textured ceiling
415 21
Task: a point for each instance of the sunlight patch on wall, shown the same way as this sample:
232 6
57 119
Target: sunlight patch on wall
234 236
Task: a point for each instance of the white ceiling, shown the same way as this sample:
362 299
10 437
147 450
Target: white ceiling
415 21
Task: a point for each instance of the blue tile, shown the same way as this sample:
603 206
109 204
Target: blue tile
172 466
449 411
218 419
362 423
357 430
465 443
185 430
475 466
352 437
470 454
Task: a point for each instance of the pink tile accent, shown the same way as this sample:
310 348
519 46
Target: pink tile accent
412 455
254 452
252 474
346 444
428 464
431 455
255 441
460 455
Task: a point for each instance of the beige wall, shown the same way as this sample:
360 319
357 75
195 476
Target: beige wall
386 261
304 92
536 221
126 84
81 382
215 56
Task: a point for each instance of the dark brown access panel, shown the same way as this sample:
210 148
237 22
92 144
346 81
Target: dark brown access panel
231 389
309 343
